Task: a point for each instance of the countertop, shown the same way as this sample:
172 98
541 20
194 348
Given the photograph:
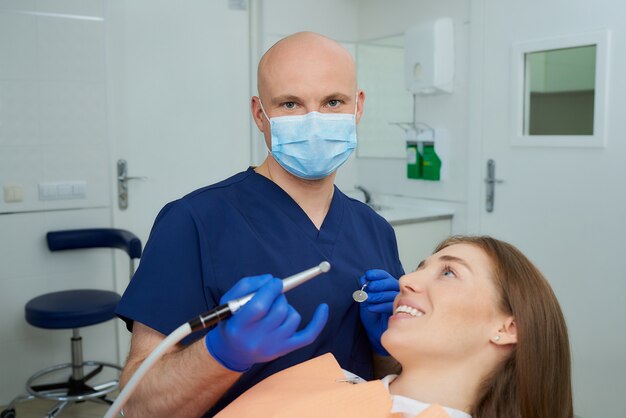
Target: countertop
403 215
401 210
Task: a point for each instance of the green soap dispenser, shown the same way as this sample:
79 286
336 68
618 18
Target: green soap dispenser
413 161
431 164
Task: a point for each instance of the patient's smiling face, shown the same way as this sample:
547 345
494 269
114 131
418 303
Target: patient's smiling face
447 309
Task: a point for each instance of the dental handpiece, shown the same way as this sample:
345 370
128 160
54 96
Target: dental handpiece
226 310
203 321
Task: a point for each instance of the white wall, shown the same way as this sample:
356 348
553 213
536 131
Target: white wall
337 19
52 129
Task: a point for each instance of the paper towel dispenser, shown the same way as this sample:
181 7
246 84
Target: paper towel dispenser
429 57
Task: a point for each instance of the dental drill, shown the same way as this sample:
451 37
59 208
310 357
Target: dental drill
204 320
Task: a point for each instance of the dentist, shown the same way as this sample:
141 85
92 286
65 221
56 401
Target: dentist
279 218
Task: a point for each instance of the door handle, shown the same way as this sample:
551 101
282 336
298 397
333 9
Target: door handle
491 182
122 183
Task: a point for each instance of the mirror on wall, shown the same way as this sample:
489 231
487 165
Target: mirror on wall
380 73
559 93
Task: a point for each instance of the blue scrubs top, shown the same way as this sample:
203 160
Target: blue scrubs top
202 244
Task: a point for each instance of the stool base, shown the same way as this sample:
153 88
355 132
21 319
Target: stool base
69 391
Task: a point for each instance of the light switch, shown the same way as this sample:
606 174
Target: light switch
47 191
13 193
78 189
62 190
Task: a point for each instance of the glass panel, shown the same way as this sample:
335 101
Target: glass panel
380 72
560 91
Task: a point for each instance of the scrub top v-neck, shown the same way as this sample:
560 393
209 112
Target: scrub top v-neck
203 243
325 237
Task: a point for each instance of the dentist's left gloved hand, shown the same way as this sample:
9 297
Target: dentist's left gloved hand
381 290
263 329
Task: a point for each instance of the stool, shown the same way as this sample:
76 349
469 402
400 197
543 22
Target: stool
73 309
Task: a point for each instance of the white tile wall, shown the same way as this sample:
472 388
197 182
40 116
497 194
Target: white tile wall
19 111
71 49
53 119
53 100
73 112
91 8
18 46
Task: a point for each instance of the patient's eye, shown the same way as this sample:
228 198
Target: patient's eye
448 272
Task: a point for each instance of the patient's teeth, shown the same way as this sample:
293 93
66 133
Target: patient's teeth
409 310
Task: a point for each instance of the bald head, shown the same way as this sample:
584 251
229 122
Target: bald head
305 52
302 73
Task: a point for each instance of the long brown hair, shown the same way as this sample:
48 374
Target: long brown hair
535 381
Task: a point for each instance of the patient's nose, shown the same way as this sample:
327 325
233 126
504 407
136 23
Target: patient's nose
412 282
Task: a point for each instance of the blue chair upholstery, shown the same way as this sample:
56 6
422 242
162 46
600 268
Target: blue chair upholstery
74 309
71 308
75 239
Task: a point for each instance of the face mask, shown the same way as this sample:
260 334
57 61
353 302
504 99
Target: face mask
314 145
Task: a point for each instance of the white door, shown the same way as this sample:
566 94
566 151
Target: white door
564 206
179 112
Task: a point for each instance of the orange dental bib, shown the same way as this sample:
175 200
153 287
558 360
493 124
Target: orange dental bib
315 389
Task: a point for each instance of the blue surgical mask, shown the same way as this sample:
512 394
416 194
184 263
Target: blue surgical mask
314 145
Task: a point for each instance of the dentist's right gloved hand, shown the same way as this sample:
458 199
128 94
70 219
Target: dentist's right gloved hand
264 329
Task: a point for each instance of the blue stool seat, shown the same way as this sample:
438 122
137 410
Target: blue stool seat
71 308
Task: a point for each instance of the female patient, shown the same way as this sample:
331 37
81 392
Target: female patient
477 330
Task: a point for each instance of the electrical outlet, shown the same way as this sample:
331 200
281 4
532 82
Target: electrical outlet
13 193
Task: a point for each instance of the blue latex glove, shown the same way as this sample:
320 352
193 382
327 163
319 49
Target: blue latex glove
381 290
263 329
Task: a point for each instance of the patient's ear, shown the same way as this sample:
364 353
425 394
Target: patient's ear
507 334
